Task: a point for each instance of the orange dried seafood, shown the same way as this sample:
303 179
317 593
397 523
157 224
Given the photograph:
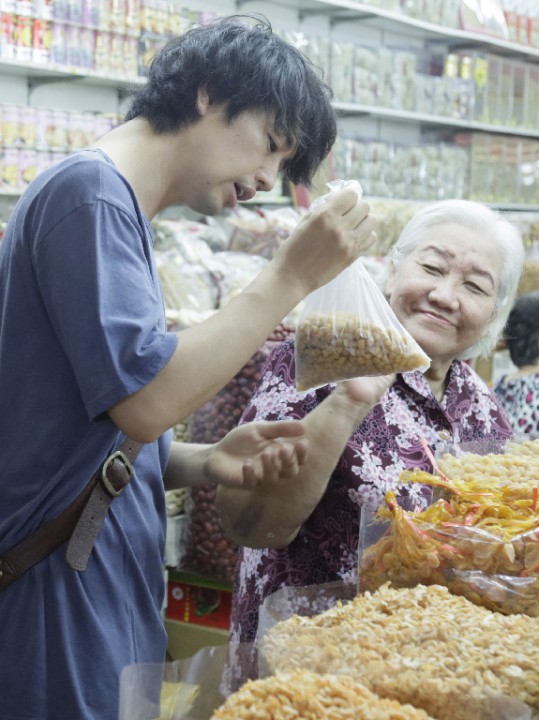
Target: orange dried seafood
304 695
480 538
420 645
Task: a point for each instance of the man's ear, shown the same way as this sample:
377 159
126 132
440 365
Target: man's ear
203 101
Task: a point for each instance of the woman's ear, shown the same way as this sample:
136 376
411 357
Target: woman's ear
390 280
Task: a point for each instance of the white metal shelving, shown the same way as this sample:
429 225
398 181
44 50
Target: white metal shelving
333 12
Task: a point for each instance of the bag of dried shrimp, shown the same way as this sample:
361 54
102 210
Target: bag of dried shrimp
304 695
422 646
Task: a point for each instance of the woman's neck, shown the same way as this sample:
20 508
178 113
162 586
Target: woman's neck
437 377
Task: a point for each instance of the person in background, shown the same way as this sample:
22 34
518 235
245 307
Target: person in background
451 279
86 359
518 392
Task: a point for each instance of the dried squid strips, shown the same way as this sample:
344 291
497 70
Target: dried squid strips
480 539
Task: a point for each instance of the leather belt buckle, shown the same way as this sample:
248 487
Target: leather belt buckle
107 465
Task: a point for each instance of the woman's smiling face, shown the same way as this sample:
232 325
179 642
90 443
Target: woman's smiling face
444 293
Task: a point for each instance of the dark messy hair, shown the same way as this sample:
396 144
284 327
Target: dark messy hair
242 63
522 330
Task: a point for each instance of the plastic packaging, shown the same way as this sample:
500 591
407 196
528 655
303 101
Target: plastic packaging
347 329
418 645
479 538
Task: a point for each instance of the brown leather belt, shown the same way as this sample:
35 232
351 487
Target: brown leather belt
79 523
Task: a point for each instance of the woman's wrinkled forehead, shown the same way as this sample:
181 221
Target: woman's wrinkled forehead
468 249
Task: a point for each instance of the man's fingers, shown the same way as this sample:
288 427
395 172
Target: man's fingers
271 464
280 428
278 461
249 475
301 447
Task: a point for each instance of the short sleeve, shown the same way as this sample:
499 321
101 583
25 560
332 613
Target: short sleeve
97 277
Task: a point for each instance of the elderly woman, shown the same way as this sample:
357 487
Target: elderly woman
518 392
451 280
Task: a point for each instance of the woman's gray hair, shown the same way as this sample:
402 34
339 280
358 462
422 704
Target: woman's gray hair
481 219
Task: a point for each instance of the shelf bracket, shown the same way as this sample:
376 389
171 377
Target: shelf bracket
340 17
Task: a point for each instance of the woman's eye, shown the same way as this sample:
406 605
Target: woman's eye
272 144
432 269
475 288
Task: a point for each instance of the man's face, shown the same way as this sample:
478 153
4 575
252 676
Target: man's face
231 162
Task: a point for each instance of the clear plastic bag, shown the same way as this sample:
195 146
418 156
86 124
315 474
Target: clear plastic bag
479 538
347 329
191 688
188 689
420 646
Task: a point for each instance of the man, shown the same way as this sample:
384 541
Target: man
86 360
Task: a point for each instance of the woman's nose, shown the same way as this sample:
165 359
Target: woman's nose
444 293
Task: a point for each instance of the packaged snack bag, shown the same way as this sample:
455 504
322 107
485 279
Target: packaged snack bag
480 536
347 329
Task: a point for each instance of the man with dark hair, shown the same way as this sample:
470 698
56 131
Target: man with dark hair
86 360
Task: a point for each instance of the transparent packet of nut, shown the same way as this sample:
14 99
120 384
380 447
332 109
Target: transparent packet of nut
347 328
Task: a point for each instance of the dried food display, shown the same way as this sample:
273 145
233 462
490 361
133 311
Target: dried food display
304 695
420 645
480 538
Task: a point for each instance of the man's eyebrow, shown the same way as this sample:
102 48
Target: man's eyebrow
448 254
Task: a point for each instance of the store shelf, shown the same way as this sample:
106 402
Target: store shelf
420 125
501 206
504 207
10 192
185 640
404 116
38 74
348 10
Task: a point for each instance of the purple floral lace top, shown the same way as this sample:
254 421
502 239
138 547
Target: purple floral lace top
382 446
520 399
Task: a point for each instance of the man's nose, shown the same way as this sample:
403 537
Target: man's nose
267 175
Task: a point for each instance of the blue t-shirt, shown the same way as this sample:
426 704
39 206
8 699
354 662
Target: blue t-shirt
82 325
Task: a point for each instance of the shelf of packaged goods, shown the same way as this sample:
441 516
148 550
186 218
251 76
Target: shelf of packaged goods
405 116
348 10
8 193
38 74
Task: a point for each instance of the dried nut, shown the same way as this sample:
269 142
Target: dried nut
340 346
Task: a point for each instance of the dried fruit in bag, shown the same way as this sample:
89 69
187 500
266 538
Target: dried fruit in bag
338 346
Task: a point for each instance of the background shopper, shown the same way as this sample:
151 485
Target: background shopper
518 392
